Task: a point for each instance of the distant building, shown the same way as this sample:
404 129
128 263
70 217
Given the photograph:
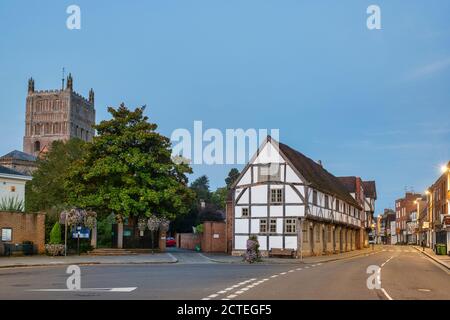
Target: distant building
438 196
12 185
387 229
365 194
403 209
53 115
19 161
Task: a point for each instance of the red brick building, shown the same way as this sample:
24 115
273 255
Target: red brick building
403 209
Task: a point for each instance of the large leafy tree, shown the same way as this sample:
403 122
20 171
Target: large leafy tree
128 170
47 190
232 177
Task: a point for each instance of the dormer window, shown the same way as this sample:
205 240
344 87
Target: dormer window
269 172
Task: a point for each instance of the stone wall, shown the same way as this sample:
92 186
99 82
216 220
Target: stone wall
25 227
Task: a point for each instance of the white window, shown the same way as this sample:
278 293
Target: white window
276 196
273 226
6 234
263 226
269 172
290 226
245 212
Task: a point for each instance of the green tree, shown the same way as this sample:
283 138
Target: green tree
232 177
128 170
219 197
201 188
47 190
55 234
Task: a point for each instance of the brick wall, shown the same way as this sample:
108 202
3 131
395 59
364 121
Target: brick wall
25 227
213 238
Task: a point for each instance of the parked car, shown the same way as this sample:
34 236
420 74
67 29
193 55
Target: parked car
171 242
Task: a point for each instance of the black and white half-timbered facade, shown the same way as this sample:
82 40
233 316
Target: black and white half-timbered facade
291 202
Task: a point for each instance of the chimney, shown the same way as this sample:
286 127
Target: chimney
320 163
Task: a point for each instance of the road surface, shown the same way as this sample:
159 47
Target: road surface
405 274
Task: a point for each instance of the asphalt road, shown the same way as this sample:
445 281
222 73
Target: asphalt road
405 274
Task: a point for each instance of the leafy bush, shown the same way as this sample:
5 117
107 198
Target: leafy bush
199 228
12 204
54 249
55 234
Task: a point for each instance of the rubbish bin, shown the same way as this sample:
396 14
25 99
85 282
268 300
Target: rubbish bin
441 249
27 248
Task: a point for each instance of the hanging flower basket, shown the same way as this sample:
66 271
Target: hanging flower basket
90 219
164 225
75 217
153 223
142 225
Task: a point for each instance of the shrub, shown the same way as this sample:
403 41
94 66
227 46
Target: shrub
55 234
12 204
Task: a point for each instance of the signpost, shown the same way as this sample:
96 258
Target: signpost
80 233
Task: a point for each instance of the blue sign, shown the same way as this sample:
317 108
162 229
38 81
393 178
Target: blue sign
81 232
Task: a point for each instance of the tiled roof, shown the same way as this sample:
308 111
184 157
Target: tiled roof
370 189
315 174
349 183
5 170
19 155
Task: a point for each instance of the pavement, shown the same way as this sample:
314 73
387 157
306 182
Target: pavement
173 255
405 273
224 258
441 259
41 260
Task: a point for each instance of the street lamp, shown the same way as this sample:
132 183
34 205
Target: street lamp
444 168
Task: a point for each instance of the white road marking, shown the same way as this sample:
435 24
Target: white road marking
127 289
213 295
386 294
299 269
274 276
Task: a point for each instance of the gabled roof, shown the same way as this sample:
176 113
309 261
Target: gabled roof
5 170
370 189
349 183
316 175
19 155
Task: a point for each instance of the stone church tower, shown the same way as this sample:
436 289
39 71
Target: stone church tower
56 115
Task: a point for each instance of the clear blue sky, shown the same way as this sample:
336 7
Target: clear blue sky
369 103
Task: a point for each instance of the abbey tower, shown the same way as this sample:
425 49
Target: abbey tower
56 115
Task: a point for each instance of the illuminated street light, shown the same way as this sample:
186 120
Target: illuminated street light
444 169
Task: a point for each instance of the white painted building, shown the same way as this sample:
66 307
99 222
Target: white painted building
291 202
12 185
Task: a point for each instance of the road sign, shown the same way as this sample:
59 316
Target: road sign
81 233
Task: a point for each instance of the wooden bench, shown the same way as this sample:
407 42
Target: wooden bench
278 252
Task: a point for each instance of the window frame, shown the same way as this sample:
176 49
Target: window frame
247 212
269 177
277 194
10 234
263 223
292 223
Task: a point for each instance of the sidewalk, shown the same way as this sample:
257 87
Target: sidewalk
36 261
442 260
223 258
